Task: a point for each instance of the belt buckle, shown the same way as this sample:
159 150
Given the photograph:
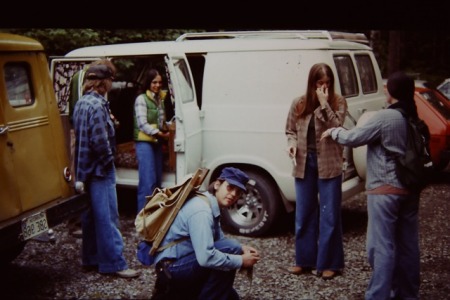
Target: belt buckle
163 267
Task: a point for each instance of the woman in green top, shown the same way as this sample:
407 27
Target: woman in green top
149 133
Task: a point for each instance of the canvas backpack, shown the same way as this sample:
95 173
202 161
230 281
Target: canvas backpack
415 168
154 220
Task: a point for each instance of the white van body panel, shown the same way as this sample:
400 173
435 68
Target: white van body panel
245 123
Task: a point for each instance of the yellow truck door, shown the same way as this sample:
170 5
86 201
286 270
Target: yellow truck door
27 138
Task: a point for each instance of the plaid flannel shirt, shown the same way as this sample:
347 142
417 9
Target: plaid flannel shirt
329 153
94 136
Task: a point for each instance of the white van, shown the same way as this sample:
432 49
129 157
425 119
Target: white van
231 92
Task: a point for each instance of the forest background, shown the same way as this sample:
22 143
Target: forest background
424 54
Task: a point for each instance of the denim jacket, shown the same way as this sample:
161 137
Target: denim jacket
385 137
200 222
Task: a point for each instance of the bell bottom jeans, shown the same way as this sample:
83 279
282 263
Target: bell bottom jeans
318 223
102 244
393 247
150 164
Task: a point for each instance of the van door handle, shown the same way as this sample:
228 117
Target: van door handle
362 110
180 119
3 130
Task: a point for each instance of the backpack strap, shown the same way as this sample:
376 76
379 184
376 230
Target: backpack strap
403 112
172 243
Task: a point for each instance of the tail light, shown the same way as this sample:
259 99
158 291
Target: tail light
67 174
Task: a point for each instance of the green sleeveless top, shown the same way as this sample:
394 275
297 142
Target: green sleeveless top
155 117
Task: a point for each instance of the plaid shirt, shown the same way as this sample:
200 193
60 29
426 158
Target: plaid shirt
329 153
94 136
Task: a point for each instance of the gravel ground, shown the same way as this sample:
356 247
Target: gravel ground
52 270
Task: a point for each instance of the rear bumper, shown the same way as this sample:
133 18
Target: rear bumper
57 212
67 210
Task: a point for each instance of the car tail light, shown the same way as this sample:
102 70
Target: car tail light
67 174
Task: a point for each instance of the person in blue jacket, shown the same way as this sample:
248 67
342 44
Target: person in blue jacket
204 265
393 210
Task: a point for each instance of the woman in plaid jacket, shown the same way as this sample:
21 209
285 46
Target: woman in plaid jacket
317 171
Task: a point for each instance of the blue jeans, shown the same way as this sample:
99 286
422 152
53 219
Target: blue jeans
192 281
318 223
150 162
393 247
102 241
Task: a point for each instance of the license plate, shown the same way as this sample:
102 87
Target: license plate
34 225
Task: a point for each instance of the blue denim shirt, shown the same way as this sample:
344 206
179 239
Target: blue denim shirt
199 221
385 137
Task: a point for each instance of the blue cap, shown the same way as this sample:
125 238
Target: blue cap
235 177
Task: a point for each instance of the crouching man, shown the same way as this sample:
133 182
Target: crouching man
204 265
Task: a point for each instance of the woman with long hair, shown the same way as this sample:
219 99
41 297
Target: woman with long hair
318 175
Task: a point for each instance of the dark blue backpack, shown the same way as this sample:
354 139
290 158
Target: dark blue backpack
415 169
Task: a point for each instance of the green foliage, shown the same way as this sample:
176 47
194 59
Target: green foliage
59 41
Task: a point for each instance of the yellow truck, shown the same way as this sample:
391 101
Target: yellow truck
36 183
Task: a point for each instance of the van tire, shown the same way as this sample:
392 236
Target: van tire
256 212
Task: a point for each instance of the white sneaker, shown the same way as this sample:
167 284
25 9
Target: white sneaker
128 273
77 233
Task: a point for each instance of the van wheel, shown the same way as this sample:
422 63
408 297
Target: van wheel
255 213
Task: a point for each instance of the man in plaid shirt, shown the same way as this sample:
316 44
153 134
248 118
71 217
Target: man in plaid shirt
102 245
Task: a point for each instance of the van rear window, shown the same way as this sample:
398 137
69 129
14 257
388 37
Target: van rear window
366 73
347 75
18 84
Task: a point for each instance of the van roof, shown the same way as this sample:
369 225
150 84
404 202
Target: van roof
14 42
259 42
278 34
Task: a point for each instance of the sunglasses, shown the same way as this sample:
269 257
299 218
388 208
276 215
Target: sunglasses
237 190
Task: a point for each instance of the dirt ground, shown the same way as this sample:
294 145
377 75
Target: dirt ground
52 270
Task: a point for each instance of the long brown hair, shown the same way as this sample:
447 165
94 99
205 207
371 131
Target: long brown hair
317 72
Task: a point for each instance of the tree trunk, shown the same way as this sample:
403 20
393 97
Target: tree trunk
395 50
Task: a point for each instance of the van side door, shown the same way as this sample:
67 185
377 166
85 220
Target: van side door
188 137
361 85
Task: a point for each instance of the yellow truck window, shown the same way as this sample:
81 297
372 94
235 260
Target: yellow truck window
17 77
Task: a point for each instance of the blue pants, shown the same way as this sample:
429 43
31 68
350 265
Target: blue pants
393 247
191 281
318 224
102 241
150 164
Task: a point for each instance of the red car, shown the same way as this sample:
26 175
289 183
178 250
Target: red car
434 109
